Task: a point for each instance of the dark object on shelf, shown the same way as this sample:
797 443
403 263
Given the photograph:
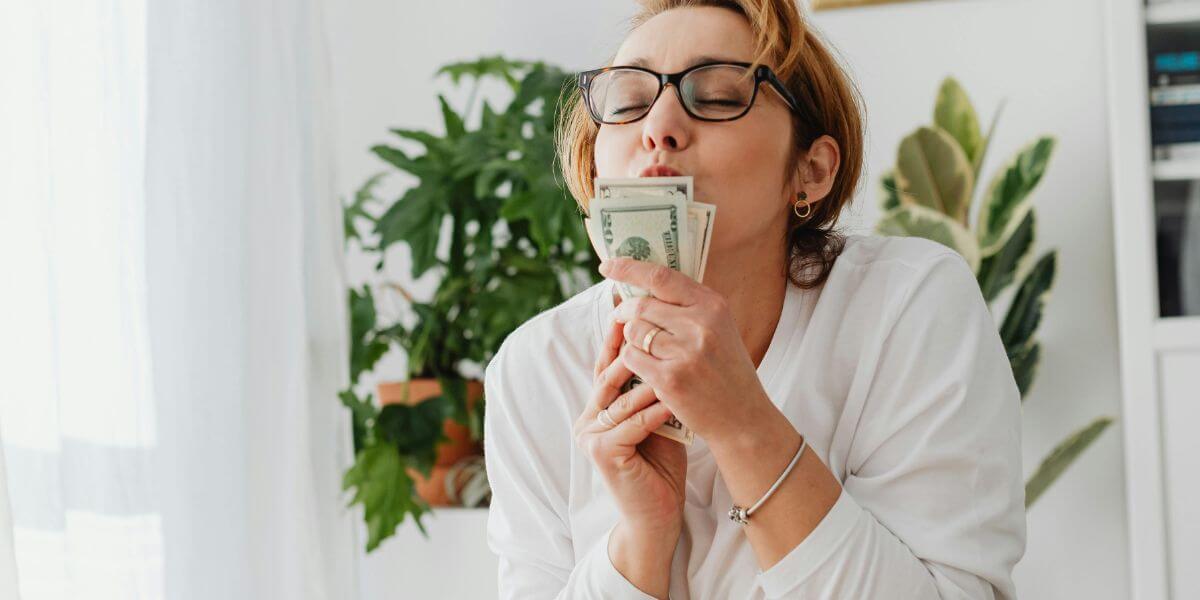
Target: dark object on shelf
1177 243
1177 62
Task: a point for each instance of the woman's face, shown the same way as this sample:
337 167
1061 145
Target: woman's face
736 165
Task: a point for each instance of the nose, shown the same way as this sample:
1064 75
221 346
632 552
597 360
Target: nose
667 124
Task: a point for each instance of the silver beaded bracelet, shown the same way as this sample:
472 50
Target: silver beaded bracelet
742 515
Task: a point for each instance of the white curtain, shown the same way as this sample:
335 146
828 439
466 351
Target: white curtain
173 320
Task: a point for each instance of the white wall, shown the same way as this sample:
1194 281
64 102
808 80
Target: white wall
1044 56
1047 58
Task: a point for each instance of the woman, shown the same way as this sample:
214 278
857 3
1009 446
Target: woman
852 390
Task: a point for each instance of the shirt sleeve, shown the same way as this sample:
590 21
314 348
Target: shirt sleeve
527 451
933 504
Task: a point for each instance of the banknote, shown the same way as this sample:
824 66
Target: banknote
700 224
655 219
700 216
637 218
670 187
647 228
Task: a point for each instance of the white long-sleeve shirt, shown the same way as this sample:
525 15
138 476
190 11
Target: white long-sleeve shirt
893 371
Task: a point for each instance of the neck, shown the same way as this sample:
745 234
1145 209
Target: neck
754 288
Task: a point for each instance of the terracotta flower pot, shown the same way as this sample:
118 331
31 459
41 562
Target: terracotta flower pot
459 445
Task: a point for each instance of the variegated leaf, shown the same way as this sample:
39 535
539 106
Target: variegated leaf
918 221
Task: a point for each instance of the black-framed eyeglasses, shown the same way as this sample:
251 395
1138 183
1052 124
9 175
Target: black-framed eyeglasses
715 91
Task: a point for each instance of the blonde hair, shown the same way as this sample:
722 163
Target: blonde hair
829 102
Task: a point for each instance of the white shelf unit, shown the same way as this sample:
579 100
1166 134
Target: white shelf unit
1160 356
1177 333
1177 169
1176 11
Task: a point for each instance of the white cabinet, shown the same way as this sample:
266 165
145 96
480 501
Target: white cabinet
1179 376
1154 99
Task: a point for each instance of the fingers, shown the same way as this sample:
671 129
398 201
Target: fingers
629 403
608 386
610 375
668 316
662 282
610 349
664 345
638 426
602 441
649 368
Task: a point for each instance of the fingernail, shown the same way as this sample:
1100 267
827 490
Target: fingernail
605 267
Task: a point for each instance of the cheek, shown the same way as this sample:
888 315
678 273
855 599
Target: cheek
612 158
746 180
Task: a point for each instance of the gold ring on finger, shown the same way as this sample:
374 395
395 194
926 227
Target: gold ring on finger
649 339
606 419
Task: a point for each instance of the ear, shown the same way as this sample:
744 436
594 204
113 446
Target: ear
817 169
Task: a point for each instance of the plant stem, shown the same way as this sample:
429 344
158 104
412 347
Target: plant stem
470 101
403 292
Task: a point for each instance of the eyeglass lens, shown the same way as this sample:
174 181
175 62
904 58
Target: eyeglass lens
713 92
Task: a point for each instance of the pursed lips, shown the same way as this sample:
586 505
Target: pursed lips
659 171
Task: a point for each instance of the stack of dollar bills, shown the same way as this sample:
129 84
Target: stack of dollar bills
652 219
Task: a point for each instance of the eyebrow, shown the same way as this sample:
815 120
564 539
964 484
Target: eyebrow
644 63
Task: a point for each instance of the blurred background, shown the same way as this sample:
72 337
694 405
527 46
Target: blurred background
246 309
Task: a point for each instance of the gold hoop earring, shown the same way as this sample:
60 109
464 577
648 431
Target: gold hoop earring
807 207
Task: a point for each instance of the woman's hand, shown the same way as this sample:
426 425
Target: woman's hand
645 473
698 365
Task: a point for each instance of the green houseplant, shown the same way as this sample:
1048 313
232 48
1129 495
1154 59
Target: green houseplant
516 246
929 194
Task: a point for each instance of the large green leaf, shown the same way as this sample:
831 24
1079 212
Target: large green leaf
1007 199
998 271
527 288
1061 457
494 66
544 209
414 430
491 175
454 390
542 82
455 128
954 113
386 492
1024 362
987 141
397 158
1025 313
533 86
430 141
931 170
358 209
471 154
889 194
366 348
362 414
415 219
918 221
492 123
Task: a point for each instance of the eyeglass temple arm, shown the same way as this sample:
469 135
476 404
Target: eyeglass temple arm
780 89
